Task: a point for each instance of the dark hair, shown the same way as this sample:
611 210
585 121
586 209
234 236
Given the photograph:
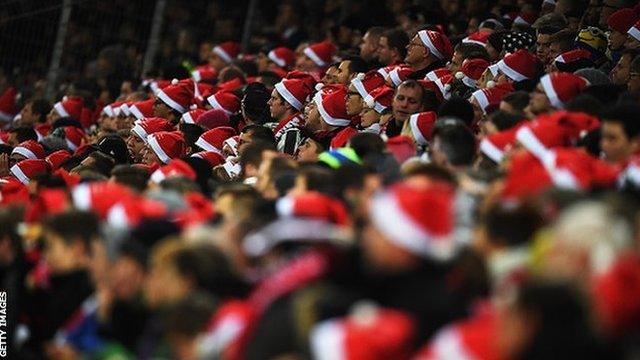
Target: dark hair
74 225
458 144
41 107
251 154
132 176
259 132
472 51
429 99
203 171
233 72
635 65
376 31
512 226
627 115
248 67
504 120
6 149
268 79
366 143
434 172
102 163
65 121
356 65
459 108
565 38
191 133
548 30
24 133
585 103
254 103
518 100
397 39
318 178
189 316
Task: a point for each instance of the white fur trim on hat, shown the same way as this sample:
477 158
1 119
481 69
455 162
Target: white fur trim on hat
139 130
492 152
21 150
216 105
531 142
424 36
223 54
494 69
357 83
547 86
509 72
60 109
415 130
117 217
71 145
136 112
328 118
196 75
203 144
313 56
395 77
288 96
482 100
155 146
19 174
187 118
634 32
273 57
169 101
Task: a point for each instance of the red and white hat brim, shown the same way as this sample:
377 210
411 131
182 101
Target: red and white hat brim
491 151
21 150
60 109
333 121
288 96
634 32
141 132
169 101
204 145
223 54
273 57
510 72
157 149
547 86
19 174
313 56
213 101
424 36
415 130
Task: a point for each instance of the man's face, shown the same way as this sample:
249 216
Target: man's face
542 47
330 76
343 74
135 146
314 121
438 156
539 102
354 101
615 144
416 52
59 256
406 102
149 156
385 55
277 107
620 73
308 151
616 40
368 117
28 117
634 82
478 114
368 47
455 63
216 61
160 109
204 51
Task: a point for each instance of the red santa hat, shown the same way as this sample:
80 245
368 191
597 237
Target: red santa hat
167 145
227 51
28 169
494 146
365 83
74 137
213 139
149 126
56 158
213 158
190 116
518 66
321 53
526 18
384 71
368 333
175 168
294 91
178 96
8 104
380 99
436 74
634 31
560 88
308 79
99 196
489 98
314 205
282 56
478 37
142 109
29 149
574 55
422 126
204 73
70 106
420 219
333 108
471 71
226 101
622 20
555 130
400 74
131 211
437 43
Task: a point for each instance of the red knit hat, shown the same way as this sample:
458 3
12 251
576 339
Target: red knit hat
333 108
227 51
380 98
321 53
30 149
212 157
365 83
436 74
178 96
560 88
400 74
56 158
190 116
558 129
441 86
213 139
294 91
314 205
634 31
518 66
212 119
142 109
437 43
225 100
167 145
489 98
204 73
175 168
28 169
369 333
478 37
8 104
471 71
74 137
622 20
99 196
495 145
422 126
282 56
420 219
149 126
71 106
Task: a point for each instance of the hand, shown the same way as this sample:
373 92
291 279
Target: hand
4 165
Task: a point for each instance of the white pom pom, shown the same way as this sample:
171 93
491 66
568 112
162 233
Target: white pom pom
65 98
360 76
459 75
319 86
174 82
491 84
193 106
369 102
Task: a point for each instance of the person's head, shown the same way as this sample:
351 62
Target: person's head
620 73
34 112
354 101
367 144
454 146
458 108
515 102
620 132
543 42
349 67
561 42
20 134
407 100
271 169
500 120
251 157
134 177
191 134
99 162
69 238
309 150
370 42
136 146
163 110
611 6
313 177
539 102
254 104
392 46
464 51
254 132
278 107
634 76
